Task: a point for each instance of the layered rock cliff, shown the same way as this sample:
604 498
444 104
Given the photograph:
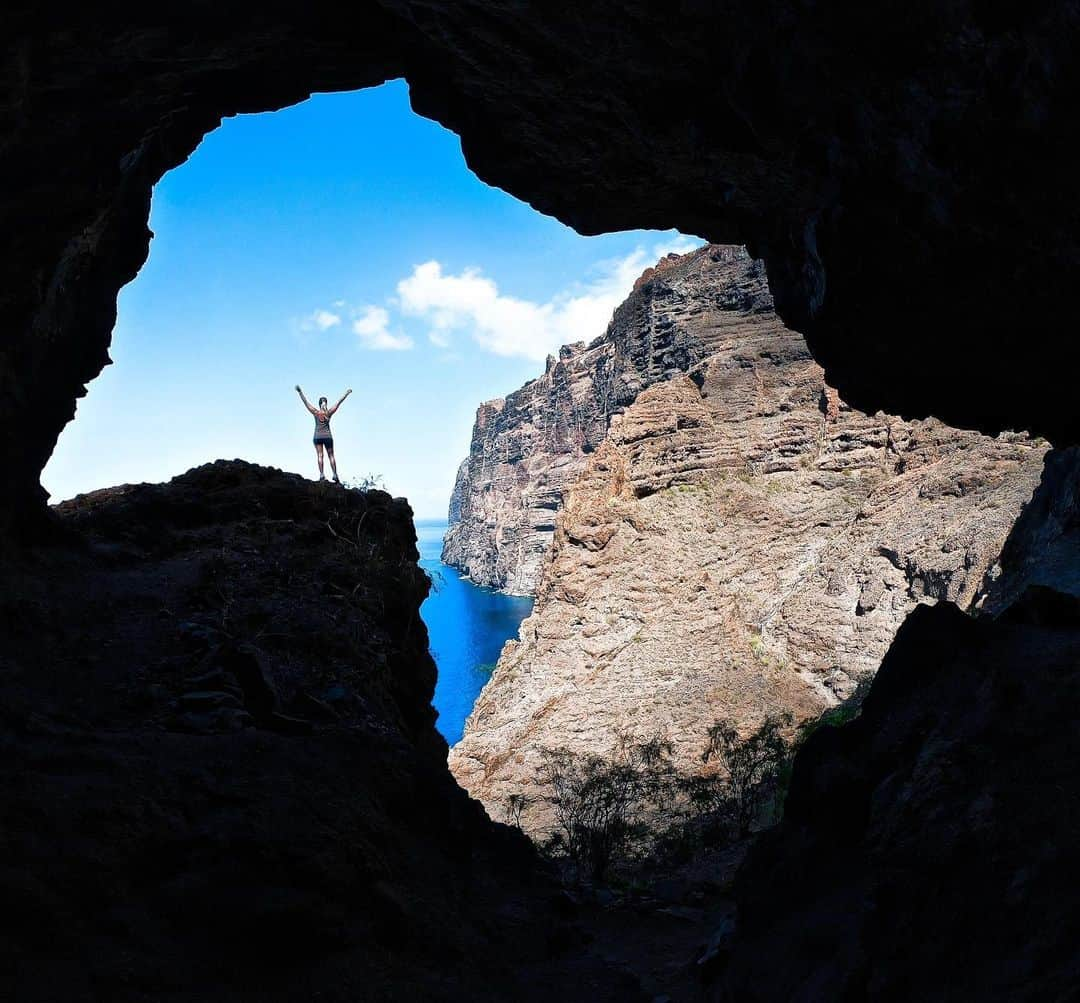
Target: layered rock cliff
528 448
740 543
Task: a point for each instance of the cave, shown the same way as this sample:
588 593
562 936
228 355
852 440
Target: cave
900 170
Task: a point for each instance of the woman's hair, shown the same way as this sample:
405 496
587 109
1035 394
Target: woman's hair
322 400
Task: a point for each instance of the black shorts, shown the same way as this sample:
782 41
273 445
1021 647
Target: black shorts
328 443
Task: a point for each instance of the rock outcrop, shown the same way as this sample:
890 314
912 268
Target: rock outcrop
740 543
935 878
935 820
219 773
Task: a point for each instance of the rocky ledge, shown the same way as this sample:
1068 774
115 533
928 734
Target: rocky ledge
739 543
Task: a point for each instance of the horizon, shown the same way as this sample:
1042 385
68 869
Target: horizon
339 242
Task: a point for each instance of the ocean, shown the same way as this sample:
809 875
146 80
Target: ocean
467 626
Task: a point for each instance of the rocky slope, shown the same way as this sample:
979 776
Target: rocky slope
740 543
219 774
528 448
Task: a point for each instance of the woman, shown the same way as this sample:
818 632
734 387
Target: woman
323 439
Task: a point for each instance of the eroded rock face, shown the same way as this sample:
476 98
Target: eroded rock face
528 449
740 543
921 196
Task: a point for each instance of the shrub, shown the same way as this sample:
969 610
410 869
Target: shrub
632 804
366 482
751 765
606 807
515 805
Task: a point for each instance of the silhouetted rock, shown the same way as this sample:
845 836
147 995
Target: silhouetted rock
176 820
926 850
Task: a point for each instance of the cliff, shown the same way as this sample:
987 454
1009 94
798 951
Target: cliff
740 543
528 448
219 772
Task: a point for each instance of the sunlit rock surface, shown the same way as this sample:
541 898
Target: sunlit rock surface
528 448
740 543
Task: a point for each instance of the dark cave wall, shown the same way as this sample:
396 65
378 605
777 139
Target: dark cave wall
901 168
926 847
899 164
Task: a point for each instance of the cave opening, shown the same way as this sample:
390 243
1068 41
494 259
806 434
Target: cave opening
918 221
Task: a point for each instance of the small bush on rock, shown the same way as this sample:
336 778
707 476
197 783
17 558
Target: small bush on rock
606 807
633 805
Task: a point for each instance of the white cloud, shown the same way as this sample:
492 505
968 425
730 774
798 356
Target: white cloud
506 325
372 324
679 244
471 302
320 320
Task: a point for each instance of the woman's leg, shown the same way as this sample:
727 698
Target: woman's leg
318 454
333 462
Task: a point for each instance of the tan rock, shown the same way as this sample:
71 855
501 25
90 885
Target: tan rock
740 543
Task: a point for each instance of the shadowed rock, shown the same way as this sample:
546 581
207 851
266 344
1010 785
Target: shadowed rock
179 823
925 849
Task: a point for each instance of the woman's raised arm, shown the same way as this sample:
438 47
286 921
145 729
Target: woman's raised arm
307 403
342 401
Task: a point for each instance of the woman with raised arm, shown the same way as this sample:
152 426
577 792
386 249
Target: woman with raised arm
323 439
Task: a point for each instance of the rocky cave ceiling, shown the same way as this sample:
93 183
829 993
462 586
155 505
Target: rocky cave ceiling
902 168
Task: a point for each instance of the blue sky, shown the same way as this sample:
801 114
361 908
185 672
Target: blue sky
338 243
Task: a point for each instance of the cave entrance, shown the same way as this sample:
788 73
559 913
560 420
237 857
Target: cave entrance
343 243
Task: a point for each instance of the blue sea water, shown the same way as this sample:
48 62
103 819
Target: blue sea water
467 626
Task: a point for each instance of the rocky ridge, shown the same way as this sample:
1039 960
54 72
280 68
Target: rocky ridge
740 543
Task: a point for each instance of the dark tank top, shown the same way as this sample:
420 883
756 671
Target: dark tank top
322 425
